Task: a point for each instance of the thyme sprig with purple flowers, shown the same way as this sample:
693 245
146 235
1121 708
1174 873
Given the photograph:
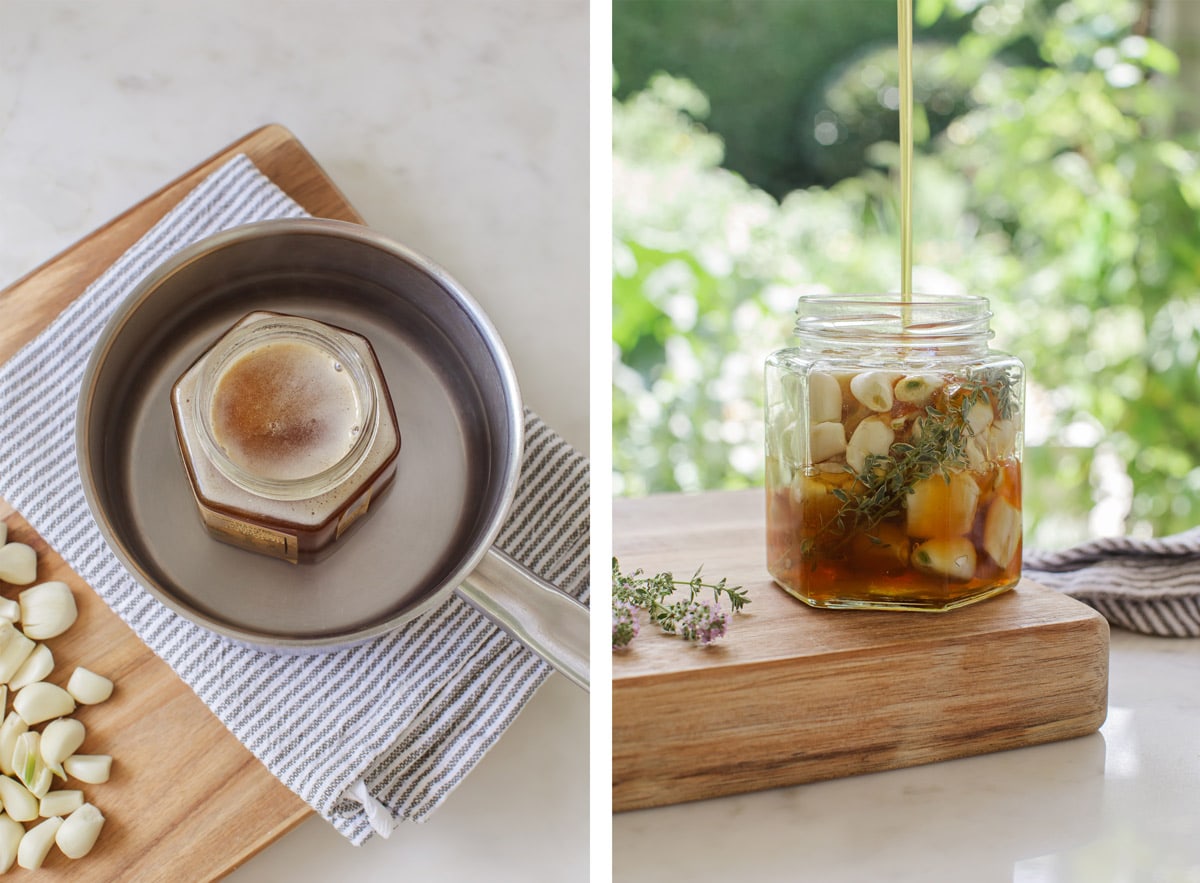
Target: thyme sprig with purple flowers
692 618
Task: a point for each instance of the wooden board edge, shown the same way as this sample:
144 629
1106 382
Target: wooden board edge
632 790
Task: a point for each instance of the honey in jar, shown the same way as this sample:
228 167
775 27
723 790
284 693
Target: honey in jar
287 433
893 460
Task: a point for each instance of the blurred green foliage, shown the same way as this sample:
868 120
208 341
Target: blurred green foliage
765 66
1059 189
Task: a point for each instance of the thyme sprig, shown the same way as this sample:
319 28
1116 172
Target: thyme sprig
692 618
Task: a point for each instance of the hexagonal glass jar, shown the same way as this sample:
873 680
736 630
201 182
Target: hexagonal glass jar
893 454
288 434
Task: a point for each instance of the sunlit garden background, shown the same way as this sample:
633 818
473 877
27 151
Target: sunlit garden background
1058 173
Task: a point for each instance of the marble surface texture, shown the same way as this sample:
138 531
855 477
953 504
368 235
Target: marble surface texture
1119 806
459 127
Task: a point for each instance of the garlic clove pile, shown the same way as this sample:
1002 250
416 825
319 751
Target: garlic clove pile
30 758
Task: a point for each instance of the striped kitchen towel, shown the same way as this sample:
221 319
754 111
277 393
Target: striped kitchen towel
422 711
1145 585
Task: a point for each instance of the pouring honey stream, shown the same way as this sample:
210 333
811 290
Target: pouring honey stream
894 440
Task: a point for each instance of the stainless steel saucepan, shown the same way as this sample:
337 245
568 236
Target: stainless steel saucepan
459 411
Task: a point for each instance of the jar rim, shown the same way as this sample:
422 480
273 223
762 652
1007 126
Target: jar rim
946 319
249 333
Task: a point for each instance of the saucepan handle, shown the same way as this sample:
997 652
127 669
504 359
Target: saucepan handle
546 620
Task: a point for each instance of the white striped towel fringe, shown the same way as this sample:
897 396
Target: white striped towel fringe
429 699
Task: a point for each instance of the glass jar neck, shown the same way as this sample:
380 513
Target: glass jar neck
858 323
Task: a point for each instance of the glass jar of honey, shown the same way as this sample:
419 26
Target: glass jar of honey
287 433
893 454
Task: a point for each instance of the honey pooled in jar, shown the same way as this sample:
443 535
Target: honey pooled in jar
285 410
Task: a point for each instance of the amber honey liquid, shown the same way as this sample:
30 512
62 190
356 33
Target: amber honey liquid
285 410
931 521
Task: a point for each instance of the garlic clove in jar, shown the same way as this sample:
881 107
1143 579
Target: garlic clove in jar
916 389
1002 531
953 558
824 398
874 389
828 441
942 505
979 417
873 436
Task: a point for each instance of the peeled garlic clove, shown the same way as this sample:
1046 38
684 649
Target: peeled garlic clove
976 459
60 739
79 831
10 730
18 802
89 688
874 436
824 398
11 832
1002 438
941 505
915 389
36 843
9 609
47 610
953 558
14 650
874 389
18 564
60 803
828 440
91 768
41 701
30 769
36 666
1002 531
979 417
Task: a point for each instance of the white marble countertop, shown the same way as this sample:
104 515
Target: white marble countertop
459 128
1119 806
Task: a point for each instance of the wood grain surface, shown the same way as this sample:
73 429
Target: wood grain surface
794 694
186 801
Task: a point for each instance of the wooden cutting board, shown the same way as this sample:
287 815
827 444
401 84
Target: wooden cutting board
186 800
794 695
